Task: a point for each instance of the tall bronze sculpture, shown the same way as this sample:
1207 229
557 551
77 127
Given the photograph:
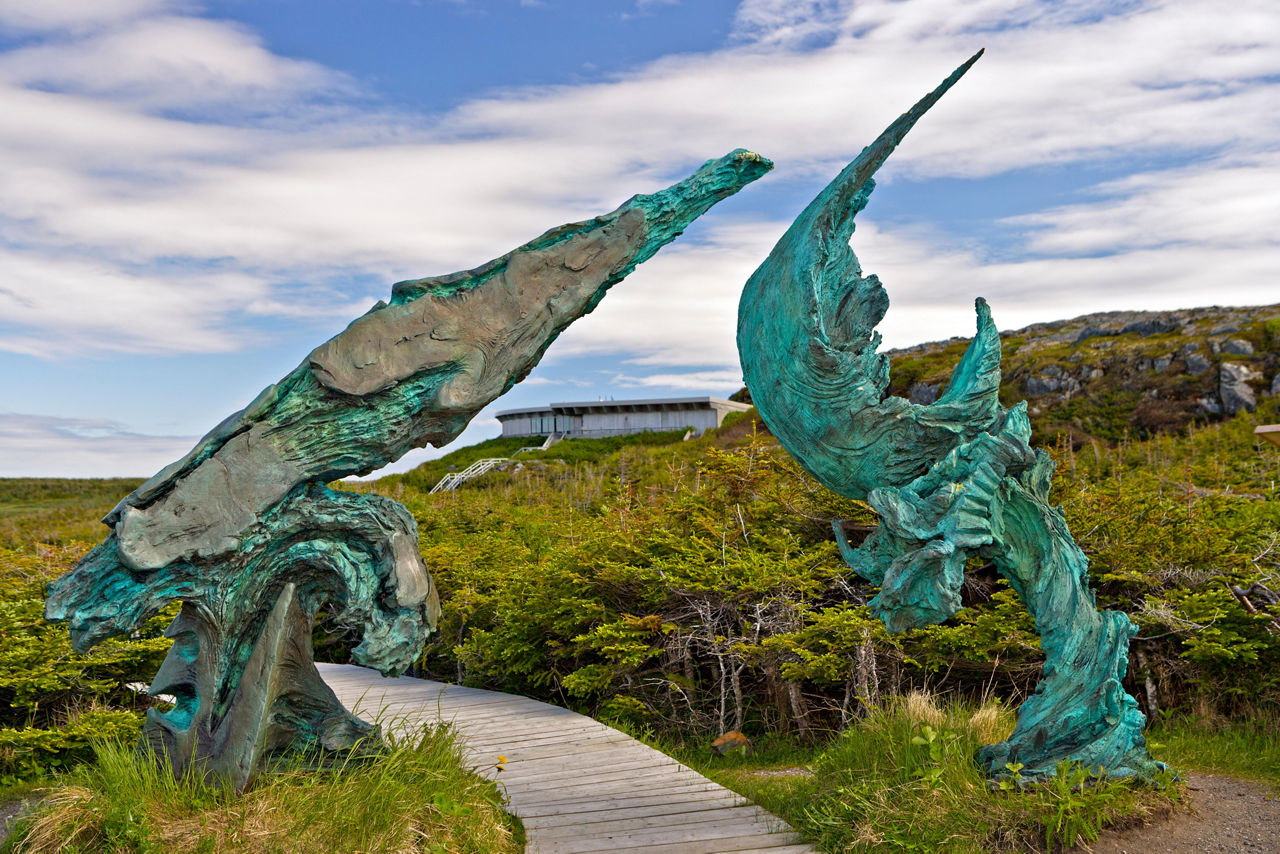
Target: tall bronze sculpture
245 534
950 480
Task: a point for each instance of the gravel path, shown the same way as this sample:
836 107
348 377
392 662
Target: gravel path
1230 817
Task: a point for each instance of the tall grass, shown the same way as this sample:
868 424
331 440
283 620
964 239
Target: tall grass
903 778
415 796
1247 748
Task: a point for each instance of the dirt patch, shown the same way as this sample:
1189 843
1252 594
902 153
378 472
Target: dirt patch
1228 816
9 813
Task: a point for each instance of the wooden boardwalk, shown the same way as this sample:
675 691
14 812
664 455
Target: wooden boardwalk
577 785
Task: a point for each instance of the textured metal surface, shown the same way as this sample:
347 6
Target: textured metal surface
951 480
244 533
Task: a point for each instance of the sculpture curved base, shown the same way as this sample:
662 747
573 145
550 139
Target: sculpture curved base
278 704
1080 711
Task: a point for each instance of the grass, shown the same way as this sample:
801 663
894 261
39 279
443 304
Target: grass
777 773
903 779
57 510
873 788
1247 748
416 796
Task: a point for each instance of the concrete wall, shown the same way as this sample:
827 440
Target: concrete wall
589 420
620 423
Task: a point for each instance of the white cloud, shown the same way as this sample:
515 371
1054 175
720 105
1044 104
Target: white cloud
75 15
1226 203
43 446
317 191
1149 79
58 306
932 284
790 23
692 380
681 306
168 62
165 179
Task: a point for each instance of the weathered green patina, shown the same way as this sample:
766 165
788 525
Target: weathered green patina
950 480
244 533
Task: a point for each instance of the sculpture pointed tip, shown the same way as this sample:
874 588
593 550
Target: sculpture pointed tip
985 320
900 127
875 154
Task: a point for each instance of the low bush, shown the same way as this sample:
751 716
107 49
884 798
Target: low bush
35 752
53 700
695 588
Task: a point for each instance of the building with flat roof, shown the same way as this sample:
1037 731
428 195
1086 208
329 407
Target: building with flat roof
596 418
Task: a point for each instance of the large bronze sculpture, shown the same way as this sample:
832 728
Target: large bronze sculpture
245 534
950 480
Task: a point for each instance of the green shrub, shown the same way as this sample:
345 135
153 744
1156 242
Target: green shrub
32 752
46 687
693 587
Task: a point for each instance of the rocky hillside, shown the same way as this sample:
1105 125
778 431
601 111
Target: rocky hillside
1121 373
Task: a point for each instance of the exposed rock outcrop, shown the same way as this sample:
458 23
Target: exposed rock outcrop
1233 387
1197 364
1237 347
1110 374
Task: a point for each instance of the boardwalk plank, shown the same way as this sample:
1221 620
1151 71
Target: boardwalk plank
554 760
639 778
709 808
713 836
712 798
740 816
723 845
538 775
569 795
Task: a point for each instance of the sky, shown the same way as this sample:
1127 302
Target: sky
193 195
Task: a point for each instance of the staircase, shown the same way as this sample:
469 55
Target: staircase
454 479
551 440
